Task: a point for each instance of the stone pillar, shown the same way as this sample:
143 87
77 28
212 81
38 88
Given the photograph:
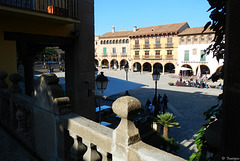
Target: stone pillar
126 133
80 63
231 110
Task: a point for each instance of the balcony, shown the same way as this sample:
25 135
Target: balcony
152 57
136 57
169 57
62 8
157 46
136 46
169 45
104 55
146 46
124 55
113 55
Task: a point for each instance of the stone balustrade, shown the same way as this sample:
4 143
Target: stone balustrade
46 124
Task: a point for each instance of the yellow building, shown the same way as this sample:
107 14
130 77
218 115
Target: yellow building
156 47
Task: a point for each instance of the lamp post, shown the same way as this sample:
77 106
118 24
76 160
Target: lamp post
156 77
126 68
101 82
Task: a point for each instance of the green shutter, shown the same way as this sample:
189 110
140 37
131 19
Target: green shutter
186 55
104 51
203 56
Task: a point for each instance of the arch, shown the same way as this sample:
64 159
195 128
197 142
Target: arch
110 41
116 41
105 63
158 67
204 70
187 72
96 62
123 62
123 41
104 42
137 67
169 68
114 64
107 41
147 67
101 42
219 69
127 41
120 41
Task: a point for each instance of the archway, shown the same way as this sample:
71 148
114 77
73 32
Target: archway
169 68
105 63
147 67
158 67
219 69
137 67
204 70
123 62
186 72
96 63
114 64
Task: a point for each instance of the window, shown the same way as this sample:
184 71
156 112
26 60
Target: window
123 50
104 42
101 42
157 52
157 40
195 39
107 41
120 41
202 38
123 41
169 52
127 41
146 41
114 41
105 51
110 41
186 55
136 42
189 39
210 38
203 55
182 39
146 52
114 51
137 53
169 40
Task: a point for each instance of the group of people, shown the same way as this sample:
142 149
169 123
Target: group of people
154 108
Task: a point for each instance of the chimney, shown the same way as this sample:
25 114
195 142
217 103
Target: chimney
135 29
113 29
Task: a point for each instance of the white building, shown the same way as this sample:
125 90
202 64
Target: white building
191 52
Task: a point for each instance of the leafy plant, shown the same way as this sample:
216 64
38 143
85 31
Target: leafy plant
218 17
167 120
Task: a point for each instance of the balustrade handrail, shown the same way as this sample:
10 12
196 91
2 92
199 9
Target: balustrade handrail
65 8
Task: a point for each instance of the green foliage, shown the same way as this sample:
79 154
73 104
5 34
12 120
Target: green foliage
218 17
167 120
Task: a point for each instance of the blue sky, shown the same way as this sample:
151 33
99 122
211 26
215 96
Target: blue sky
124 14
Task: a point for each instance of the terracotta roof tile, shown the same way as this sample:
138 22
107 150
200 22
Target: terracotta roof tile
160 29
195 31
116 34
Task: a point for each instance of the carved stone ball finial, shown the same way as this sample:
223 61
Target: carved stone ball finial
3 76
15 79
126 107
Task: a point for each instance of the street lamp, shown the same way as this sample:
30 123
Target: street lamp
156 77
101 82
126 68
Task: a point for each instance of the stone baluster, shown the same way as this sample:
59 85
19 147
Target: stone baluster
78 148
126 133
15 79
3 76
21 119
105 155
91 153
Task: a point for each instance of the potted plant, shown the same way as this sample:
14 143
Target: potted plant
213 86
171 83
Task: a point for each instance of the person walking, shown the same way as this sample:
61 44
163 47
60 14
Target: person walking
164 103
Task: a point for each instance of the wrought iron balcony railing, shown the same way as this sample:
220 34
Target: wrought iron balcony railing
64 8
